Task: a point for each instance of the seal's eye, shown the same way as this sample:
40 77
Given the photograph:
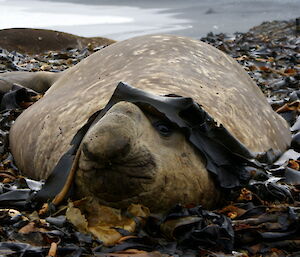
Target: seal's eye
163 127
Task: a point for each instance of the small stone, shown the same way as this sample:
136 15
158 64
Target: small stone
45 67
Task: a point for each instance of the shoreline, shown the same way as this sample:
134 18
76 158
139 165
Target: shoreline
121 19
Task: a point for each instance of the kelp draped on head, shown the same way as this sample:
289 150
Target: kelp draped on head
161 65
226 158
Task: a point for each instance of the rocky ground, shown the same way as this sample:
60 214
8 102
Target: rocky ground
260 219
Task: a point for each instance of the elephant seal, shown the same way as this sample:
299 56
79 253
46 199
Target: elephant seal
131 156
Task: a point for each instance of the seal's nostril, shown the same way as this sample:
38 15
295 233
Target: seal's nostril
108 164
123 148
87 153
117 147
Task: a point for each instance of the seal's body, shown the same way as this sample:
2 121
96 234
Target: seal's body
145 166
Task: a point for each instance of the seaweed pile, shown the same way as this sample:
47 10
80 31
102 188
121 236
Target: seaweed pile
47 61
269 53
260 219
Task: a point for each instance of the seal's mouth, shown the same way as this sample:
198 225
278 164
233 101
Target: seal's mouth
138 171
116 179
139 164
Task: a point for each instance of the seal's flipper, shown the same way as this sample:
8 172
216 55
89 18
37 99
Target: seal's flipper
38 81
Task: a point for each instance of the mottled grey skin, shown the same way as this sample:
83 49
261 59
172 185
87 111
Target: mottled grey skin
123 158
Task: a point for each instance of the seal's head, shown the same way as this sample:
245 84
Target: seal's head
130 156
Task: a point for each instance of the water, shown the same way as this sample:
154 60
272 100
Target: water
120 19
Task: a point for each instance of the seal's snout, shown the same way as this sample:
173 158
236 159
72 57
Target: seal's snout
110 140
115 163
106 144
